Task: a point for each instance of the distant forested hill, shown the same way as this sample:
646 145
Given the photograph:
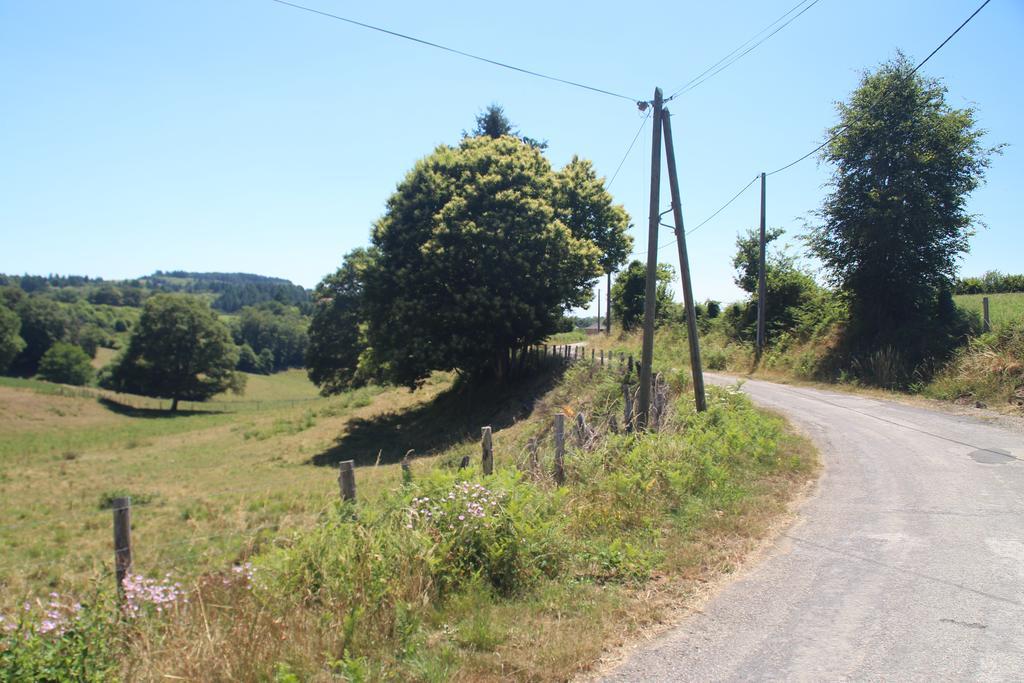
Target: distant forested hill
230 292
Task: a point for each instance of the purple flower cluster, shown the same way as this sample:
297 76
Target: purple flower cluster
242 572
56 617
464 504
141 592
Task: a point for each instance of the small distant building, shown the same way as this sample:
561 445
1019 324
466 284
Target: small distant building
594 328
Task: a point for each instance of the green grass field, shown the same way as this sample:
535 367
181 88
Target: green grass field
1002 307
207 485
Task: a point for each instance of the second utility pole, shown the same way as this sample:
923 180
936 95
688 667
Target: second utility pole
650 291
684 267
762 285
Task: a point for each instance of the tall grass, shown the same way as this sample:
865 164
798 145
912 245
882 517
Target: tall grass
990 369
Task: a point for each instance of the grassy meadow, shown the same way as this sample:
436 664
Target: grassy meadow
206 486
539 589
1002 308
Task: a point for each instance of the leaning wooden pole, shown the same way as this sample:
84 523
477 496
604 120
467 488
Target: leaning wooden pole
650 291
762 282
684 268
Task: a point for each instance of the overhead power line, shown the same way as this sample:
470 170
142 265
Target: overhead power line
743 49
629 149
881 97
461 53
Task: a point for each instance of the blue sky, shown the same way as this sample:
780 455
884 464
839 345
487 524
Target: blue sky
243 135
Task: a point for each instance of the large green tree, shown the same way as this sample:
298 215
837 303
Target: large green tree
628 294
895 223
179 350
11 343
43 323
470 266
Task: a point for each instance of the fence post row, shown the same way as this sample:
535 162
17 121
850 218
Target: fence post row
628 416
347 479
559 448
581 429
122 509
487 461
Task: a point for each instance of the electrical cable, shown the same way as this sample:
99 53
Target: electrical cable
630 149
707 73
461 53
842 129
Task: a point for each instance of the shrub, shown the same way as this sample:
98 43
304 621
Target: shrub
66 364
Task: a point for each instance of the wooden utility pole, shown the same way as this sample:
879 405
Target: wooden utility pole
598 310
650 291
684 268
986 322
762 284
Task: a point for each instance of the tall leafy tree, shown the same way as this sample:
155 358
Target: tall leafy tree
895 223
43 323
628 294
180 350
470 265
11 343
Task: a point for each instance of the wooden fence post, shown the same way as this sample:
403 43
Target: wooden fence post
407 468
656 403
464 463
581 429
532 446
629 366
628 416
986 321
559 448
488 450
602 358
592 353
347 479
122 508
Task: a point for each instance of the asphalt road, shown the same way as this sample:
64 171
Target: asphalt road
906 564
